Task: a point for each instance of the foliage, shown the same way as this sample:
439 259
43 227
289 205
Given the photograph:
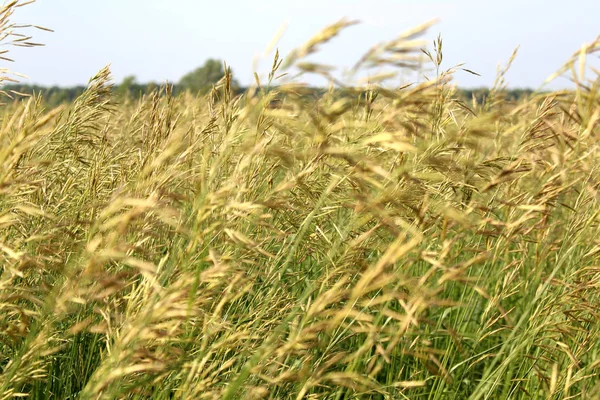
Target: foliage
56 96
126 87
202 79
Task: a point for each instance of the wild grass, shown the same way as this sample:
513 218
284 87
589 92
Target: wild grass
398 245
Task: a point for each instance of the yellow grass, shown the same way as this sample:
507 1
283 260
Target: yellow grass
387 244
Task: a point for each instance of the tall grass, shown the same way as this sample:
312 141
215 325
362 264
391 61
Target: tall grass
395 245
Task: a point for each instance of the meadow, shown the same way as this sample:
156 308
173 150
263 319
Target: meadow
395 243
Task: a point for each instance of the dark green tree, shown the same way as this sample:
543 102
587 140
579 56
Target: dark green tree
203 78
127 86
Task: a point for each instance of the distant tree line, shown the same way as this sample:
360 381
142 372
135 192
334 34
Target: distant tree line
481 94
200 81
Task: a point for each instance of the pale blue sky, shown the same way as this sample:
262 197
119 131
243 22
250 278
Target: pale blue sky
159 40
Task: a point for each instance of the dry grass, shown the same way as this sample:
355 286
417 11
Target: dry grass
400 245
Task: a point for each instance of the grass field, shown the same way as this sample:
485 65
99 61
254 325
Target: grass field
394 245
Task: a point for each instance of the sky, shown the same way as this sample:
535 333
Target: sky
161 40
